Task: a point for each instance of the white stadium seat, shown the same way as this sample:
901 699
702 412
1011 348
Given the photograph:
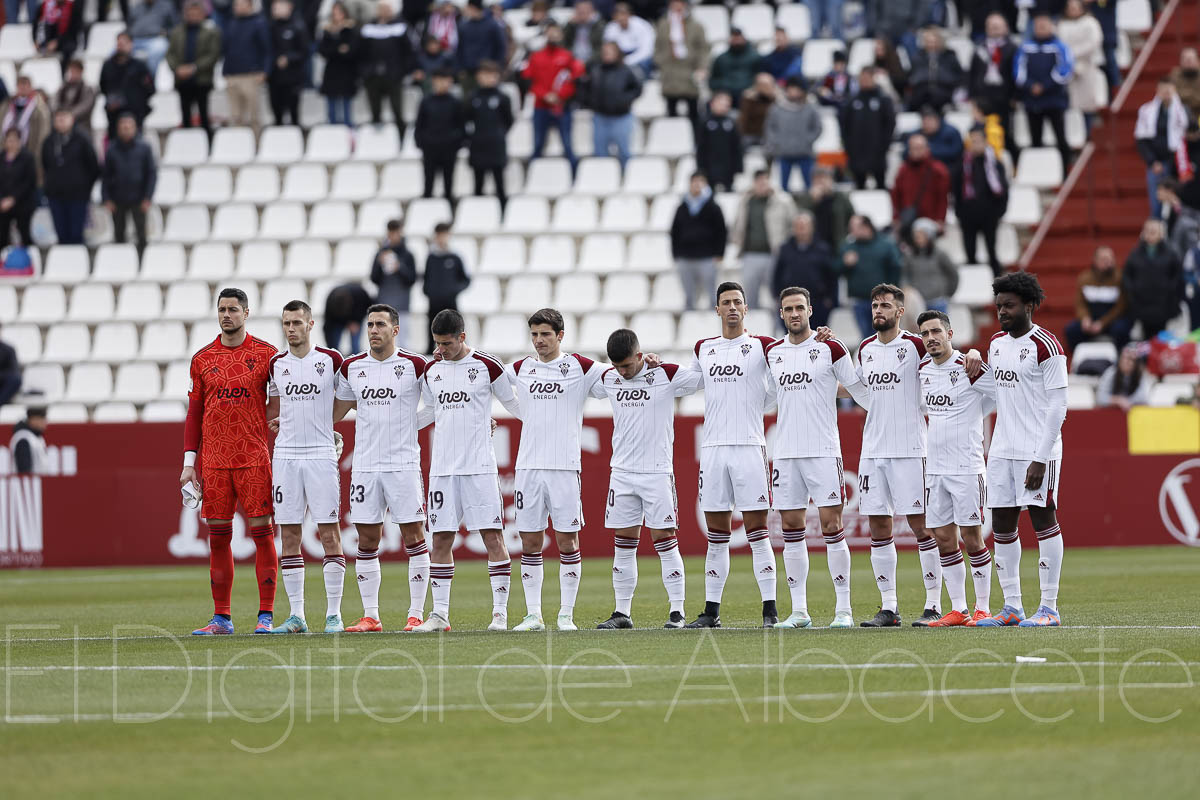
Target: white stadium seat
115 412
47 378
26 340
715 21
1024 206
117 263
91 302
235 222
308 259
188 224
352 258
210 186
650 252
818 57
189 301
232 147
163 341
974 286
795 19
162 261
305 183
667 294
548 177
669 136
624 213
843 321
757 22
505 333
875 204
647 175
655 330
502 255
1093 351
602 253
419 220
662 212
186 147
89 383
102 39
529 215
257 184
259 261
331 220
401 180
281 145
1040 167
354 182
625 293
552 254
68 413
211 261
67 264
378 143
574 214
527 293
483 293
1080 397
598 176
694 326
164 411
176 383
8 302
138 382
596 328
579 293
43 303
115 342
170 187
328 144
285 221
279 293
477 216
67 343
1134 16
139 302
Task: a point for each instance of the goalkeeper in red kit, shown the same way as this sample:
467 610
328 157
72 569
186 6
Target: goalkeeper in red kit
226 427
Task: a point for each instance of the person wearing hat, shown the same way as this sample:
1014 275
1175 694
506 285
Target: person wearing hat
733 71
793 127
980 190
440 131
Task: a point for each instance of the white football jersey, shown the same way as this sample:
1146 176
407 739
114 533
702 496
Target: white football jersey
386 394
735 378
1026 370
305 388
895 426
804 383
460 393
552 394
644 415
956 405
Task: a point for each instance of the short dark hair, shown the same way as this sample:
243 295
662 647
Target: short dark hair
444 72
925 316
448 322
761 173
395 225
75 62
698 174
791 290
547 316
1169 184
730 286
622 343
35 411
298 305
384 308
487 65
1023 284
888 288
237 294
442 227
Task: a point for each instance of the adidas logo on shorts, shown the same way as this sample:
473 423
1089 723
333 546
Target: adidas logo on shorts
1038 496
917 504
974 517
762 498
833 496
496 521
669 518
333 514
575 521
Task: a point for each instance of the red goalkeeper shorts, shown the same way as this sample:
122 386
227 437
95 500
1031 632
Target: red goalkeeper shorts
224 487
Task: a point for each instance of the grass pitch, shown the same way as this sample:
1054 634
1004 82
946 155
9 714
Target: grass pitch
106 695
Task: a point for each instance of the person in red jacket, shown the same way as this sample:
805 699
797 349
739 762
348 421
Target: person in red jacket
552 72
922 189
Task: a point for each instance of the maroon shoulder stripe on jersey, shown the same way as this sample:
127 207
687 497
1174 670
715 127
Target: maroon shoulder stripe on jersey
1047 345
274 358
418 360
864 343
584 361
924 363
986 369
494 367
517 366
345 370
775 343
837 349
917 342
997 335
334 355
702 341
766 342
670 370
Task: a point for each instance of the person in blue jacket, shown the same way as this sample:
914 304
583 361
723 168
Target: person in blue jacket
1042 70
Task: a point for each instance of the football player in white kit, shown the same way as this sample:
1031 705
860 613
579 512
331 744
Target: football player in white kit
805 373
641 488
1026 454
384 386
734 473
305 471
956 405
464 485
551 389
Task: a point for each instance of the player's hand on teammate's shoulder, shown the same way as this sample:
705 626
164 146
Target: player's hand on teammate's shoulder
824 333
494 426
653 360
974 363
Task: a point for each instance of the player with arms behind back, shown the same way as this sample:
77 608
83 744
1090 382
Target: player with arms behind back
641 488
956 405
1026 455
305 470
226 427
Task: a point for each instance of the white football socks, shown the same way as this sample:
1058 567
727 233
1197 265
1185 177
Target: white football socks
716 565
981 576
672 571
440 578
838 554
335 578
500 575
1050 556
1008 566
931 571
292 568
955 571
570 568
883 561
763 559
795 564
532 574
624 573
366 566
418 578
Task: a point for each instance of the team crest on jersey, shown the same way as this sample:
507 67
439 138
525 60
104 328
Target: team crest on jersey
954 378
472 374
650 378
812 355
250 362
745 349
399 369
1024 353
320 368
564 368
900 354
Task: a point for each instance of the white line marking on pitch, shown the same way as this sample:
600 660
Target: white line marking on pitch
568 667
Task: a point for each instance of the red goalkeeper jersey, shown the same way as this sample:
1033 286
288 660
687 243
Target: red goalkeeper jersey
227 412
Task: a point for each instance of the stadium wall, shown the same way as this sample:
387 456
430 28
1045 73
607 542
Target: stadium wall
112 497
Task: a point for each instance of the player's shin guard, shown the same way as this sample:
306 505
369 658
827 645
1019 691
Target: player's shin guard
292 568
955 572
366 566
763 559
418 578
570 567
624 573
220 565
1050 556
931 571
795 564
440 578
335 581
981 576
672 571
837 552
883 561
266 565
1008 566
532 575
716 565
500 576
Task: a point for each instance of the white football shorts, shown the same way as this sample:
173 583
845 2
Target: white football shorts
305 483
957 499
636 498
734 477
889 486
373 494
1006 484
819 478
469 501
543 495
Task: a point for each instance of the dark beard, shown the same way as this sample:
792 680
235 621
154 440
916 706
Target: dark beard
883 326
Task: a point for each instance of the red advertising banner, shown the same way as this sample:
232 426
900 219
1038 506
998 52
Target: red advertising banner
112 498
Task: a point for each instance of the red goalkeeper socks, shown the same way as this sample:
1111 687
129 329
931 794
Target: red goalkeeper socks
266 565
220 565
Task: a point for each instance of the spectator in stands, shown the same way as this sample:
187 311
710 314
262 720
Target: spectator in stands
246 44
762 224
480 38
289 51
635 38
831 209
681 55
222 13
539 15
149 22
898 19
609 90
824 14
10 373
928 269
805 260
18 189
129 177
1153 280
193 50
431 59
1124 384
980 190
489 117
719 145
341 47
440 131
1043 68
866 259
1099 303
945 142
837 86
71 169
867 121
28 443
387 59
394 272
793 127
936 73
892 65
757 102
584 32
345 310
552 72
734 70
442 27
698 238
978 12
56 33
1162 124
27 113
12 11
991 80
784 62
76 96
1105 11
1182 221
921 189
1081 33
510 47
1186 78
445 275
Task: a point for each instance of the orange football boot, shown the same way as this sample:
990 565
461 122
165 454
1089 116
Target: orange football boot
366 625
